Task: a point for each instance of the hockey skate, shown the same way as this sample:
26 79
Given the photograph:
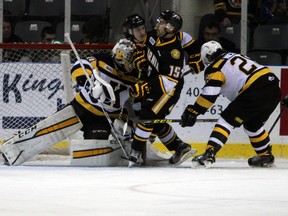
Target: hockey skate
182 153
205 159
266 160
134 158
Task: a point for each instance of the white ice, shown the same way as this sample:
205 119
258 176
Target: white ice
230 187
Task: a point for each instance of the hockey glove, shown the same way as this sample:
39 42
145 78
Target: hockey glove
196 64
189 116
140 62
139 90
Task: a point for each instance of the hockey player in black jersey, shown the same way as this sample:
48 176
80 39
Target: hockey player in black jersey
254 94
135 30
161 90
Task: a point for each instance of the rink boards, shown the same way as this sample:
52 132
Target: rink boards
237 145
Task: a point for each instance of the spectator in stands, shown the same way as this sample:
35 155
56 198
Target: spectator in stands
93 31
48 34
229 12
8 35
10 55
273 12
209 29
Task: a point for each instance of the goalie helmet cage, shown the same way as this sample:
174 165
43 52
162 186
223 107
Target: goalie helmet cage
35 82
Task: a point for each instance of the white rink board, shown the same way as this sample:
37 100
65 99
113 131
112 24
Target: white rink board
52 91
200 132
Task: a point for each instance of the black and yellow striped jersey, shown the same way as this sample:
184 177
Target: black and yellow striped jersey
164 57
192 48
119 80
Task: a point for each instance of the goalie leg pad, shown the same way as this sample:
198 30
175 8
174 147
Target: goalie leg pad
97 153
41 136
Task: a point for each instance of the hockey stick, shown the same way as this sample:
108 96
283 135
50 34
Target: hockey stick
114 133
92 84
154 121
285 103
95 73
67 36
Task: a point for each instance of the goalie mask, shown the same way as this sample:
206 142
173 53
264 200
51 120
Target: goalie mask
210 51
174 21
122 54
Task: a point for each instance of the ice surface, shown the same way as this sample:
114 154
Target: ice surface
230 187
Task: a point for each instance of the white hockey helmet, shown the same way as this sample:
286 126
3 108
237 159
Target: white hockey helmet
122 53
208 51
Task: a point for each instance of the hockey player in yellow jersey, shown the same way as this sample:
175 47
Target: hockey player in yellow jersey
87 111
117 70
254 94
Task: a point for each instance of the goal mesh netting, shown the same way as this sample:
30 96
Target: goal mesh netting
32 82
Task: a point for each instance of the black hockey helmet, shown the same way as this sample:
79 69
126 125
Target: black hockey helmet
131 22
134 21
173 19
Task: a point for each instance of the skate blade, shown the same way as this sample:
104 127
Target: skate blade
196 164
186 156
133 164
263 166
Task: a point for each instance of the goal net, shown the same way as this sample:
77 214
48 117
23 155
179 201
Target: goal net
35 82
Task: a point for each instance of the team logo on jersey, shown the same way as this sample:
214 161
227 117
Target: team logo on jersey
175 54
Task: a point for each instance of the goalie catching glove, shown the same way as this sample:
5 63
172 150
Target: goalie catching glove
189 116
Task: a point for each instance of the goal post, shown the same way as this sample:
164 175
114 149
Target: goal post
35 82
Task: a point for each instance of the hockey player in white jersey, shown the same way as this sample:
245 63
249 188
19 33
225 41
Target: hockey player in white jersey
254 92
87 111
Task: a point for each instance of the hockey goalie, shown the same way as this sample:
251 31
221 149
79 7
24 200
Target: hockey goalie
96 109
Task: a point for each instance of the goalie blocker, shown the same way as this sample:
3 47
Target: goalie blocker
48 132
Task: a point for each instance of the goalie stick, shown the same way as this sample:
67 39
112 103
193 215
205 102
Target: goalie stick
107 85
95 73
114 133
67 36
